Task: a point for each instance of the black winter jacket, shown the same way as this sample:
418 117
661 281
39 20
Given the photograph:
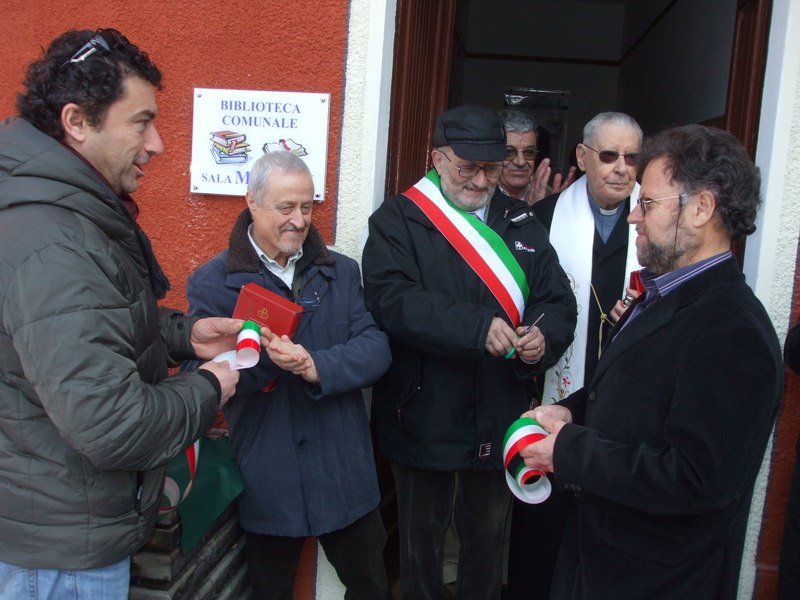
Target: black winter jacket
446 403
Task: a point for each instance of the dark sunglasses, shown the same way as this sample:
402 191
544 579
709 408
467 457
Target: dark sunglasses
528 153
612 156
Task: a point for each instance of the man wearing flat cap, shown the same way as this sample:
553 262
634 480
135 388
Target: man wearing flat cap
456 281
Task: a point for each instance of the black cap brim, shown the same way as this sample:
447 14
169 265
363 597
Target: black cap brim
479 151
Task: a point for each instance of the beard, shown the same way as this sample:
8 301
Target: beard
479 197
290 245
663 258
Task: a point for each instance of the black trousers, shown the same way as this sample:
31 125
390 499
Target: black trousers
356 552
535 539
424 503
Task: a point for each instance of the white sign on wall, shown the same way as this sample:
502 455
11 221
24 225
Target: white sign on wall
232 128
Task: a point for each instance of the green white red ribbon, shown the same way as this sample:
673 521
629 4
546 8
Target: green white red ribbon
528 484
172 495
477 243
248 348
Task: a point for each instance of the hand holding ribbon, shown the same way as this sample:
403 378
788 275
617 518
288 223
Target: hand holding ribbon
213 335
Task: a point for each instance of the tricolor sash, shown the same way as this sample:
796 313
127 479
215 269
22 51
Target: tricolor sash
478 244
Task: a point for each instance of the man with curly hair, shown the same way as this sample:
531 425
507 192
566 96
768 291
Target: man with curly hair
88 416
663 445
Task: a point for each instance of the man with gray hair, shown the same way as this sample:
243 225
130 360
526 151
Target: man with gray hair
595 245
298 424
475 304
521 178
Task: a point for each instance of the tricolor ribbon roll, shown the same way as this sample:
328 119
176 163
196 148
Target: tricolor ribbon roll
528 484
248 348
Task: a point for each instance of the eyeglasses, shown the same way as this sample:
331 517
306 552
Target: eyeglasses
612 156
98 42
528 153
643 203
492 170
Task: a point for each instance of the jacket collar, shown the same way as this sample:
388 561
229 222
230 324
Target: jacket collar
661 314
243 258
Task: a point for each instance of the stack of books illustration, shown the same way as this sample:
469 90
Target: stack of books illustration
229 146
286 145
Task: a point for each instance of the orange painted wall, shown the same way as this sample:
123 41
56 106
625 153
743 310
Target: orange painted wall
267 45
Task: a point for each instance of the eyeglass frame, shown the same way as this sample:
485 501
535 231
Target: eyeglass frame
98 42
473 166
509 157
643 203
634 161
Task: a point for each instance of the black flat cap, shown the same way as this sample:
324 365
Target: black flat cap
474 133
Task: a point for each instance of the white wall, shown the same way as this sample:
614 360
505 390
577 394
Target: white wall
365 127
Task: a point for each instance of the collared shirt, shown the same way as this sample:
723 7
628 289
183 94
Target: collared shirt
286 274
669 281
510 195
605 219
480 213
658 286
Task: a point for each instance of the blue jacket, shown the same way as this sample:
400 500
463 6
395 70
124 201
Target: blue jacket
304 450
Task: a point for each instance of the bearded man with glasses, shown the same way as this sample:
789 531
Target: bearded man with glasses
88 416
595 245
664 443
455 277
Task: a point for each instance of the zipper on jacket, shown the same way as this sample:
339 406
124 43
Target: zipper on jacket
399 411
139 485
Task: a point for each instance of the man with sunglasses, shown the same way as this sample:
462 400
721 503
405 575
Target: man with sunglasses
595 245
664 443
455 278
521 177
88 416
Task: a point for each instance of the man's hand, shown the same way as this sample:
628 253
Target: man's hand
552 418
500 338
560 185
214 335
227 379
290 356
538 188
622 305
530 346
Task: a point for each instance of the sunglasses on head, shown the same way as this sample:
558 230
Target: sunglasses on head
612 156
99 43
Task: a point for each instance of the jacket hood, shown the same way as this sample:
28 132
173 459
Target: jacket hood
37 169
